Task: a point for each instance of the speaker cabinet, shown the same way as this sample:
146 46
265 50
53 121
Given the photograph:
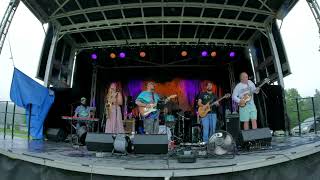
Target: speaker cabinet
151 144
233 126
100 142
261 136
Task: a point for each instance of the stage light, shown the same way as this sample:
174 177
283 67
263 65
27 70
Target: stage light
112 55
213 54
184 53
204 53
122 55
232 54
142 54
94 56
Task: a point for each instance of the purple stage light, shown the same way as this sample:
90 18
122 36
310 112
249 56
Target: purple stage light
94 56
122 55
204 53
232 54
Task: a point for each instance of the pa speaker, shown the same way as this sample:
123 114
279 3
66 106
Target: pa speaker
233 126
100 142
56 134
263 136
151 144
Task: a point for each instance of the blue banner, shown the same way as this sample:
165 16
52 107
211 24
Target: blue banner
26 92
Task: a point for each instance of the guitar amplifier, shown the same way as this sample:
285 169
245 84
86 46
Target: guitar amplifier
129 126
233 126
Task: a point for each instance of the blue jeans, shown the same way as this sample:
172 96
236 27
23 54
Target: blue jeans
209 126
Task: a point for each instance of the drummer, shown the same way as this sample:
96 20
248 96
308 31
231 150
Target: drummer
167 114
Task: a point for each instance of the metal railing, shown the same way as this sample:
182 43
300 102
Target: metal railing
18 117
304 111
300 110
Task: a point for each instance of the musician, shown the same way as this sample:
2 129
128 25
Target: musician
149 99
172 106
249 111
82 111
113 101
209 122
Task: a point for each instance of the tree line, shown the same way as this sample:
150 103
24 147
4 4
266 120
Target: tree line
305 105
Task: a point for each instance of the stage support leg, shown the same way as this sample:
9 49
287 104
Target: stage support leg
278 68
276 58
51 58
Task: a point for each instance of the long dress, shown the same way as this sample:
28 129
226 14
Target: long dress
114 121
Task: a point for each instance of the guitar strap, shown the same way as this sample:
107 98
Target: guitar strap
152 93
249 88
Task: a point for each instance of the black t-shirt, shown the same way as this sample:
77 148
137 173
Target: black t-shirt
208 97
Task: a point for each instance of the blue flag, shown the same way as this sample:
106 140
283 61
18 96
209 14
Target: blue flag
26 92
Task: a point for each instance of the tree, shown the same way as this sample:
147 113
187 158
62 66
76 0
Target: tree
317 102
305 106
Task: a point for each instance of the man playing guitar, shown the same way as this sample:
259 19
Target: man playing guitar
210 120
243 95
147 102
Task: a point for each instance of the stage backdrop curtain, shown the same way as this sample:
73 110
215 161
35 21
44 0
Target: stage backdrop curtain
25 92
133 88
186 89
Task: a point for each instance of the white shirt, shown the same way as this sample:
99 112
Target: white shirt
241 89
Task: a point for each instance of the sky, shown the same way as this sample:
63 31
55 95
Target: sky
26 37
300 35
299 32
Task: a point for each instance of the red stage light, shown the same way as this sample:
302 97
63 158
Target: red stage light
184 53
213 54
113 55
142 54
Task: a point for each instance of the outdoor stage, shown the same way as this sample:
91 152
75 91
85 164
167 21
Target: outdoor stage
288 158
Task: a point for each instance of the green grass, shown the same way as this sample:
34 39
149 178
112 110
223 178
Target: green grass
17 133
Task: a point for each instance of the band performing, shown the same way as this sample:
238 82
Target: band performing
152 113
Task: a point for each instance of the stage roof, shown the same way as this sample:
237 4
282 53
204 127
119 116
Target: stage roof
101 23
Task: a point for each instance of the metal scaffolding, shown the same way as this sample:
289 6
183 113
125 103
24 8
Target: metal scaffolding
6 21
315 9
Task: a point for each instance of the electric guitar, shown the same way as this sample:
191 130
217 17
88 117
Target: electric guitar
247 97
203 110
145 111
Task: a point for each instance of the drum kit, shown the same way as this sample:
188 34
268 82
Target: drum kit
181 127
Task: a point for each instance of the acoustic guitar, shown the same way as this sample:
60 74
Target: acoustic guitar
145 111
203 110
247 97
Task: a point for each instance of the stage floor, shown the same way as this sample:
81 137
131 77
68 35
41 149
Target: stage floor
67 157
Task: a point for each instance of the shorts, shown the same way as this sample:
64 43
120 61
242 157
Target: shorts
248 112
